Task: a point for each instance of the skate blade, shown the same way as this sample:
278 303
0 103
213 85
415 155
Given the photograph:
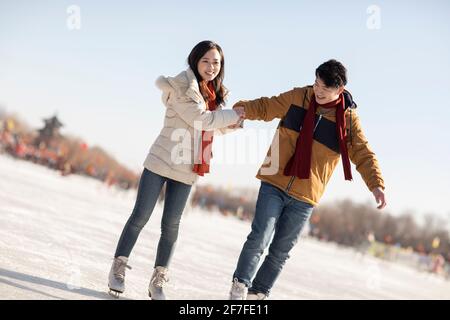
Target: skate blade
114 293
156 297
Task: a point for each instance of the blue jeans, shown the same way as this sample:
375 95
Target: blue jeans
276 214
175 200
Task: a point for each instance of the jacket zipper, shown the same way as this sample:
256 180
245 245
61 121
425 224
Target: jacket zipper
291 181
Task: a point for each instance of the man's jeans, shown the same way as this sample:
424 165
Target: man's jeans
175 200
277 214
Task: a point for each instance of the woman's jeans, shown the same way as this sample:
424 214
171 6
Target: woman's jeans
276 214
175 200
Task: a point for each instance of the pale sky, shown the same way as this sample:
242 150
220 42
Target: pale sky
100 78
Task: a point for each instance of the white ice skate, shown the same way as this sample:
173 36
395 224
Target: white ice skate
157 282
116 279
238 290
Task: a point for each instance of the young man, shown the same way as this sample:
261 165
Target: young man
318 127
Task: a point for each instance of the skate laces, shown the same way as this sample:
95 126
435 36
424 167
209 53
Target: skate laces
160 278
119 269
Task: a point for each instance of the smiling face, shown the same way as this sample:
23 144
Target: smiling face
325 94
209 65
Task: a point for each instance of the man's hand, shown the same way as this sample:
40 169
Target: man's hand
378 193
240 112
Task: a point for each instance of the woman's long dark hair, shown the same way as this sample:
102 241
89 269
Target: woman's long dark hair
194 57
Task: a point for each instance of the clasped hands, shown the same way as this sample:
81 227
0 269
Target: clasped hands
240 111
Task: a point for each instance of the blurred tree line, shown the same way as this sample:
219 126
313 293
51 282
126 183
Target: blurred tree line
354 224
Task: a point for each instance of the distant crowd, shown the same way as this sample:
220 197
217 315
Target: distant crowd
69 156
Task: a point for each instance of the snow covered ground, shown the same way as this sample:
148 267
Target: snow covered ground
58 235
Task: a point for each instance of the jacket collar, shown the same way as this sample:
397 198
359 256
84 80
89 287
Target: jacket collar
193 91
349 102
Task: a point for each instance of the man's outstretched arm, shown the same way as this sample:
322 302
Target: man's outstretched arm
264 108
366 162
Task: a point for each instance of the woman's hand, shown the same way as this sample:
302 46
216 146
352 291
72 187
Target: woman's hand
238 125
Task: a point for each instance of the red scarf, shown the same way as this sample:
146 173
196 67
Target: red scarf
300 163
207 136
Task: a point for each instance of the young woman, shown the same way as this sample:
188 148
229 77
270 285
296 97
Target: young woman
193 100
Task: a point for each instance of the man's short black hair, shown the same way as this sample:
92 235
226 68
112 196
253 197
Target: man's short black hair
332 73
